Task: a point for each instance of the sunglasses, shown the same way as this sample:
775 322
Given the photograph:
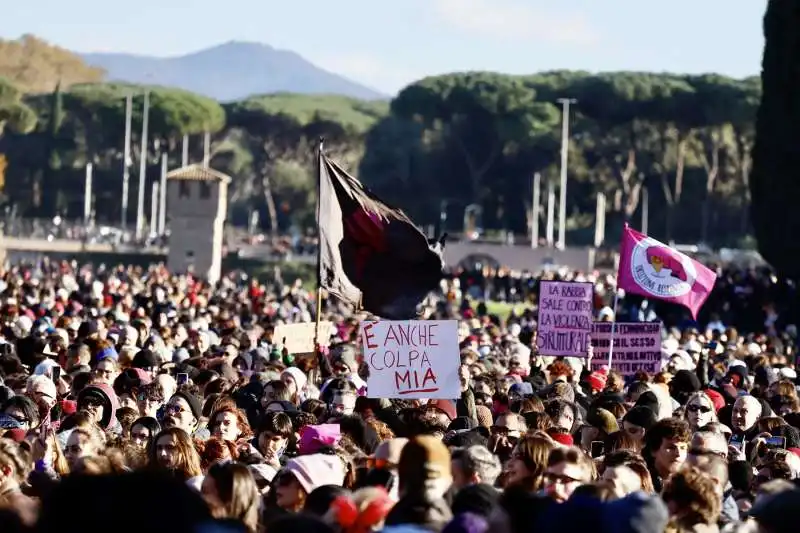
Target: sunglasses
694 408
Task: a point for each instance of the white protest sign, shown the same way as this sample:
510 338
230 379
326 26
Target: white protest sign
299 337
412 358
637 347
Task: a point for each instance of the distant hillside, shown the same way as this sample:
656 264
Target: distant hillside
35 66
230 71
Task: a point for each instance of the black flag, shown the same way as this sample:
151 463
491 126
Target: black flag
370 253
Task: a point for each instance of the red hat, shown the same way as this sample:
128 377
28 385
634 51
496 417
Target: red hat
597 381
69 407
563 438
716 398
445 406
795 451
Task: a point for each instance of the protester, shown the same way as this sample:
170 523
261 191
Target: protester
182 384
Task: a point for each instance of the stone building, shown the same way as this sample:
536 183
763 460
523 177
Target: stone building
197 202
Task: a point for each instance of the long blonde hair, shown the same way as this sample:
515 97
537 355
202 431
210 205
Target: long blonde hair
238 492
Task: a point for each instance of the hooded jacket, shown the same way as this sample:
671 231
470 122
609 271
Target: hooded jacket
109 421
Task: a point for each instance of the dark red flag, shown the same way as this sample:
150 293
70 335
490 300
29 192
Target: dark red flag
370 253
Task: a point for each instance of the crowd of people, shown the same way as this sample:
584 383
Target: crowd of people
139 400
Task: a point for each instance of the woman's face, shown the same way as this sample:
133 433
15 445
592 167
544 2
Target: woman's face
140 435
78 445
699 413
167 453
226 427
269 395
269 443
290 384
516 471
289 494
126 400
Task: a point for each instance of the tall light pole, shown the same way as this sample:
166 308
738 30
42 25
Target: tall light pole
185 151
140 222
126 163
162 201
537 186
562 211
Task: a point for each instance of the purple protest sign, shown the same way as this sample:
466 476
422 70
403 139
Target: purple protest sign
565 318
637 347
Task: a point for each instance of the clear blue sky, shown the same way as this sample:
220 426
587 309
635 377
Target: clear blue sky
389 43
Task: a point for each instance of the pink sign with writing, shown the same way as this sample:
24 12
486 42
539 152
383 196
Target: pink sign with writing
565 318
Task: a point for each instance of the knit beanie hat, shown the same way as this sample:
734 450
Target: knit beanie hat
597 381
484 414
316 470
602 420
195 405
641 416
424 458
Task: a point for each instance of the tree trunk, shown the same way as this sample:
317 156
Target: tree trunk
269 198
711 165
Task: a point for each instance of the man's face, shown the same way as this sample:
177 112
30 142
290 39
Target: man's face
179 414
565 420
106 372
744 415
670 455
509 425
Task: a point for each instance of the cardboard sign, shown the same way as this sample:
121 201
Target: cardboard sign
412 359
637 347
565 318
300 337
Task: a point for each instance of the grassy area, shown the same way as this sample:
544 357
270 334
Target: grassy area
502 309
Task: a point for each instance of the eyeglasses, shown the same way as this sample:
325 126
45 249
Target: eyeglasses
699 452
694 408
22 419
175 409
92 402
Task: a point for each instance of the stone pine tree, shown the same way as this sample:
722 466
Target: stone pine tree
775 179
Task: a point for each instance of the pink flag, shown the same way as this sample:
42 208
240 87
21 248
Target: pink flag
654 270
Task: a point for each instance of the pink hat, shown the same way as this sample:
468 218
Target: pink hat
314 438
316 470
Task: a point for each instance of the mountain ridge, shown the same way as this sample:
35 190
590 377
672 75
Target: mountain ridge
230 71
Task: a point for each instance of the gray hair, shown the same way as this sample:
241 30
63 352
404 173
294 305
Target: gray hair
478 460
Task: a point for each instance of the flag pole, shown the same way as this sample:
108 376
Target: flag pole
317 318
613 327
